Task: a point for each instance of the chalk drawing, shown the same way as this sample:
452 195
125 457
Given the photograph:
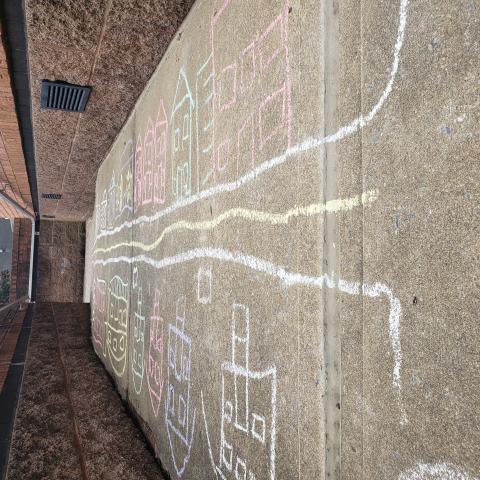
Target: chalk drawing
143 191
99 311
135 277
155 356
138 346
436 471
181 131
151 160
126 179
207 434
204 97
112 202
117 324
300 148
332 206
101 215
117 198
204 285
180 421
124 195
148 163
290 279
140 182
252 90
247 438
160 163
255 142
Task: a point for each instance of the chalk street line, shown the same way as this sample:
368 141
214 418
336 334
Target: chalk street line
332 206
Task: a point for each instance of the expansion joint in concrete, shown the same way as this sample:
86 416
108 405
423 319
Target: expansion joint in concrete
332 336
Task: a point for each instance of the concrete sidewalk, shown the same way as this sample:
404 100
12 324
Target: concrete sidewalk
70 422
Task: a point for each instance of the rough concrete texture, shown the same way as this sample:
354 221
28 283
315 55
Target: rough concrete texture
70 423
112 46
285 279
61 261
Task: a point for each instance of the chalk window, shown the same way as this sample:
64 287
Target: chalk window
186 368
186 121
227 87
228 410
240 470
171 357
171 400
227 455
258 427
204 285
247 72
176 140
161 144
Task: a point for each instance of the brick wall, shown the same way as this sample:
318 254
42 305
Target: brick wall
22 236
61 259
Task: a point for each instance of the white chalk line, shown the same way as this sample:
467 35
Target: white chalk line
436 471
305 146
290 279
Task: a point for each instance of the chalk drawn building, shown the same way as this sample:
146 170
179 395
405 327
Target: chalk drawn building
117 324
252 107
160 158
99 293
180 420
205 95
155 356
181 147
112 202
138 344
140 178
247 439
117 197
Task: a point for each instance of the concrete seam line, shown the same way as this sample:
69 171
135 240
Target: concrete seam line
76 433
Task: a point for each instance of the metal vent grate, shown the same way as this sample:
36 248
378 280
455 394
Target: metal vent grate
52 196
64 96
48 216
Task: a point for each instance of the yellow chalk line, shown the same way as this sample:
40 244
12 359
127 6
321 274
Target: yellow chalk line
332 206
